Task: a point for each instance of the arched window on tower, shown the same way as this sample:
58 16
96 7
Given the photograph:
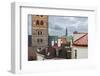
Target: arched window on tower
41 15
37 22
39 40
42 23
39 32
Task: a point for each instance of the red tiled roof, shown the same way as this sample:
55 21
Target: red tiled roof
82 41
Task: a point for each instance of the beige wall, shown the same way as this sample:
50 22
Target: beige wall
82 52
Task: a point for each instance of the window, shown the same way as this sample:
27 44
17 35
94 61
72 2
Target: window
41 15
41 23
39 33
37 22
39 40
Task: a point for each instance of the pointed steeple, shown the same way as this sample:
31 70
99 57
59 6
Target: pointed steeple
66 32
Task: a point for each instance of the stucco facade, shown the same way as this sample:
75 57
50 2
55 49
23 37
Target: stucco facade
80 45
82 52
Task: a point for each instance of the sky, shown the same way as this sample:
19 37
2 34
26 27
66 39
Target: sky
58 24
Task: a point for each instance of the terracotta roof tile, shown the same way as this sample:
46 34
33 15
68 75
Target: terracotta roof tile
83 40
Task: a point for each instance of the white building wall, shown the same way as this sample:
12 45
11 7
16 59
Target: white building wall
82 52
52 43
59 42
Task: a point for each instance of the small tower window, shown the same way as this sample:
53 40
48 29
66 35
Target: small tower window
39 33
41 23
37 22
75 54
39 40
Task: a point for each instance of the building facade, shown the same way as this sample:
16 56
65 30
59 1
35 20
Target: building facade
80 45
39 31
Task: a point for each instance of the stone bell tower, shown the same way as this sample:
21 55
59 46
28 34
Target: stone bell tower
39 31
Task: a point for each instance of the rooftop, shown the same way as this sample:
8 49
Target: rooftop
81 39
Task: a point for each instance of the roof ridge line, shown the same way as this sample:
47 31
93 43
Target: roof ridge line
81 37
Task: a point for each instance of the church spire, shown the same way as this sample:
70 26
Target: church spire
66 32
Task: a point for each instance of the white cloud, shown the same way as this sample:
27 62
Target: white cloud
58 24
72 23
